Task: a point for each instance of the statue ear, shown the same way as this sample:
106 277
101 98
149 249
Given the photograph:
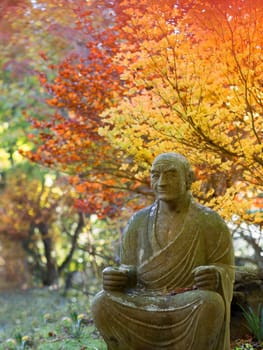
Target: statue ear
189 179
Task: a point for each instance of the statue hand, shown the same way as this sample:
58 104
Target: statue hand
206 278
114 279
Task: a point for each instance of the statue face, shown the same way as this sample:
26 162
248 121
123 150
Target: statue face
168 180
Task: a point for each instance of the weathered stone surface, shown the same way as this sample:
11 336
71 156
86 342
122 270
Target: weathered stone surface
174 286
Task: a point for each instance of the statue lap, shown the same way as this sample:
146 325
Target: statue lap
155 322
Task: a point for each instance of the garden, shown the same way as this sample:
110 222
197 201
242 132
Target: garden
91 91
45 319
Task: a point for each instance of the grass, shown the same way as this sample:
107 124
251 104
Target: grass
254 321
45 320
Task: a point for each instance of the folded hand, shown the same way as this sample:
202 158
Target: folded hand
206 278
114 279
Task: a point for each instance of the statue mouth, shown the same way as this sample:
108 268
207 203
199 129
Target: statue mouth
162 193
162 190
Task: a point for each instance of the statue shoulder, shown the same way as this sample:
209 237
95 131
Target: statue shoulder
209 219
135 226
140 217
216 234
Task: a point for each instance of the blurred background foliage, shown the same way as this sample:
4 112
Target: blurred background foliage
61 66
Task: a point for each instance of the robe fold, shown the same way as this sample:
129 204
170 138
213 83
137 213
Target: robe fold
152 315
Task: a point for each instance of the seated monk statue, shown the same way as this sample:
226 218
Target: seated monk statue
174 286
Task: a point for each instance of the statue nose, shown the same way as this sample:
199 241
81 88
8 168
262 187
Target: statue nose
162 180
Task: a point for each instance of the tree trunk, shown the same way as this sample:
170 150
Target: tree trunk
51 274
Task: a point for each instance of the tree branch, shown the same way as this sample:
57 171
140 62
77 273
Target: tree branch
74 241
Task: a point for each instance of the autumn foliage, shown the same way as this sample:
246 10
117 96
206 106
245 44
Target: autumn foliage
157 76
87 83
38 213
194 85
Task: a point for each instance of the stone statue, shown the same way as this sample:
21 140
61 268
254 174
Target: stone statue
174 286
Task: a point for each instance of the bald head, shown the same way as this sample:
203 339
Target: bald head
174 160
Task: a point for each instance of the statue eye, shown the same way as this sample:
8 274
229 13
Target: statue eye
155 175
172 173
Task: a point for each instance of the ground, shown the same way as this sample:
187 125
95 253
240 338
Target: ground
44 319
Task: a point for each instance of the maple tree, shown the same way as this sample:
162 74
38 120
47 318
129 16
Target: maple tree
86 84
184 77
193 79
39 213
171 86
29 207
28 29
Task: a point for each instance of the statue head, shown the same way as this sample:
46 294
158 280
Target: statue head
171 176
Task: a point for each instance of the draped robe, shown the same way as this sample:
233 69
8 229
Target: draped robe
151 315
